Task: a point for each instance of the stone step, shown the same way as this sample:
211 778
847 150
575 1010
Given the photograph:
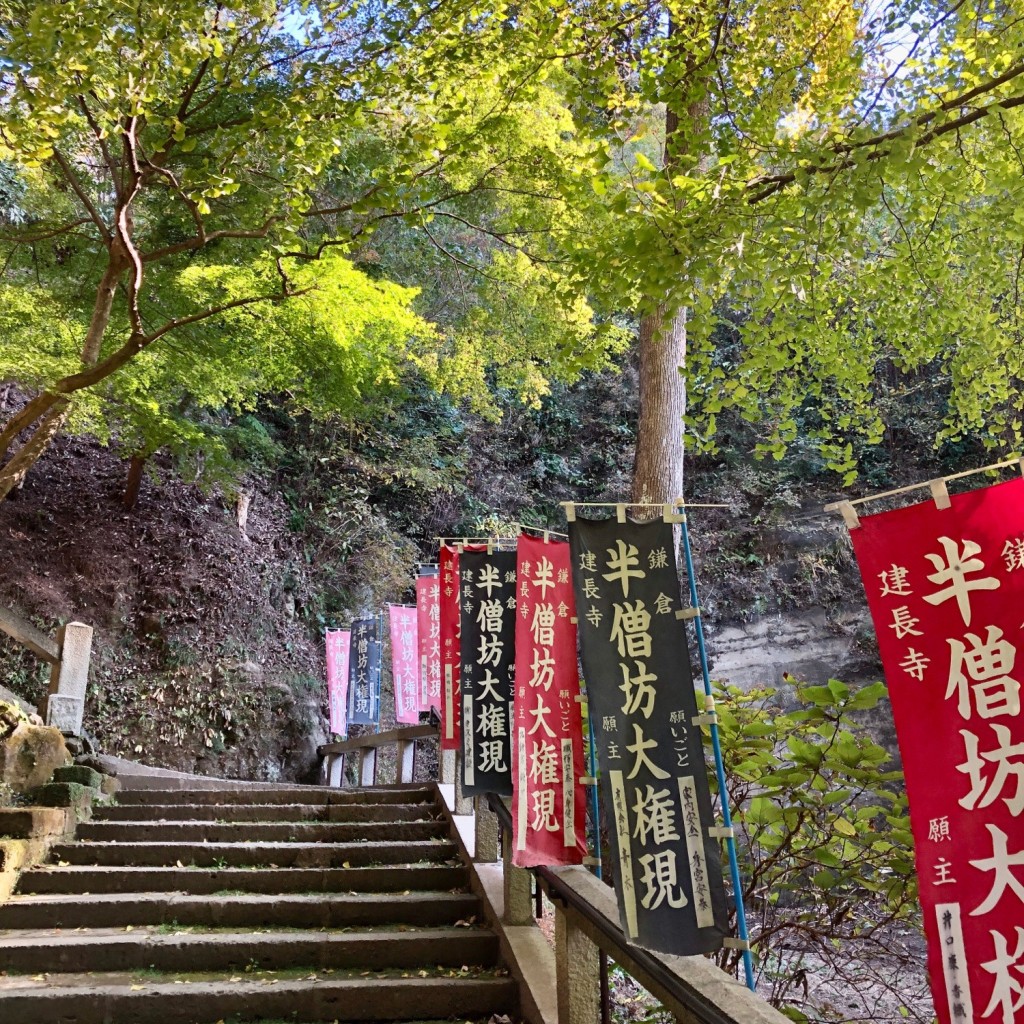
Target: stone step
260 832
310 910
299 855
94 1000
320 795
199 881
116 950
266 812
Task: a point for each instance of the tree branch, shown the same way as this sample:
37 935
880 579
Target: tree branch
79 190
766 186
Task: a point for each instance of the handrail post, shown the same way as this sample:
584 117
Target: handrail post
336 770
367 765
518 890
486 847
405 759
577 971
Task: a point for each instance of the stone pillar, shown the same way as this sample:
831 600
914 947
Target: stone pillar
367 764
405 761
518 887
578 972
69 678
463 803
486 832
336 770
448 766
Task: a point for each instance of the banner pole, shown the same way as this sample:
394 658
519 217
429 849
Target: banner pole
730 842
595 806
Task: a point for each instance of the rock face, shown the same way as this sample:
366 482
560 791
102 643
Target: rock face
29 755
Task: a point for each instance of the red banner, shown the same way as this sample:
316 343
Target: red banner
946 592
338 641
405 663
549 807
448 603
428 623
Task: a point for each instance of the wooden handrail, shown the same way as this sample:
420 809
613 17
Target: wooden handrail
379 739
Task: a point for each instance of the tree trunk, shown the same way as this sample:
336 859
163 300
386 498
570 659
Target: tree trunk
45 414
134 481
47 427
658 463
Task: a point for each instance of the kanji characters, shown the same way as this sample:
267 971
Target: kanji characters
659 876
655 814
988 665
1007 989
623 560
638 690
631 624
952 568
984 790
1000 864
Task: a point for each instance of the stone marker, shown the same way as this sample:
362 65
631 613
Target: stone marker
70 677
65 713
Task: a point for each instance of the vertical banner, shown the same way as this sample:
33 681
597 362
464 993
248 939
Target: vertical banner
946 591
428 625
364 674
450 601
337 678
488 665
405 662
549 809
449 613
668 874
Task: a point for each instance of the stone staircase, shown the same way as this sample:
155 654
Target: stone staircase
252 903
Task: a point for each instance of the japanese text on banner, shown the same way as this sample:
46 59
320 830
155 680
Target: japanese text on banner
488 593
364 674
946 588
642 702
337 642
405 662
549 808
428 622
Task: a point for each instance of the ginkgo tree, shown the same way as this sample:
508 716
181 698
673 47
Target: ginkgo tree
843 180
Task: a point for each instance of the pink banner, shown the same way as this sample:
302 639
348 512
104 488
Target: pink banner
946 591
549 817
428 623
405 667
338 643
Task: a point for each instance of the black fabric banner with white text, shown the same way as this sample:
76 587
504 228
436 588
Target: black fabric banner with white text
668 875
488 609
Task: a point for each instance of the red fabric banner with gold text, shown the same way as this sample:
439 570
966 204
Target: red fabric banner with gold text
450 615
549 807
428 623
451 649
946 592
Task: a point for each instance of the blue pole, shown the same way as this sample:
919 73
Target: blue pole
730 842
595 809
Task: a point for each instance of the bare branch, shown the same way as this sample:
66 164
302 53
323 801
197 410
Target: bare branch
79 190
43 236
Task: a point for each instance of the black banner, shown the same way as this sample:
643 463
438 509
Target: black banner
636 665
364 674
488 609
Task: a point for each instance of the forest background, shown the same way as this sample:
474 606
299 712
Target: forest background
289 290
